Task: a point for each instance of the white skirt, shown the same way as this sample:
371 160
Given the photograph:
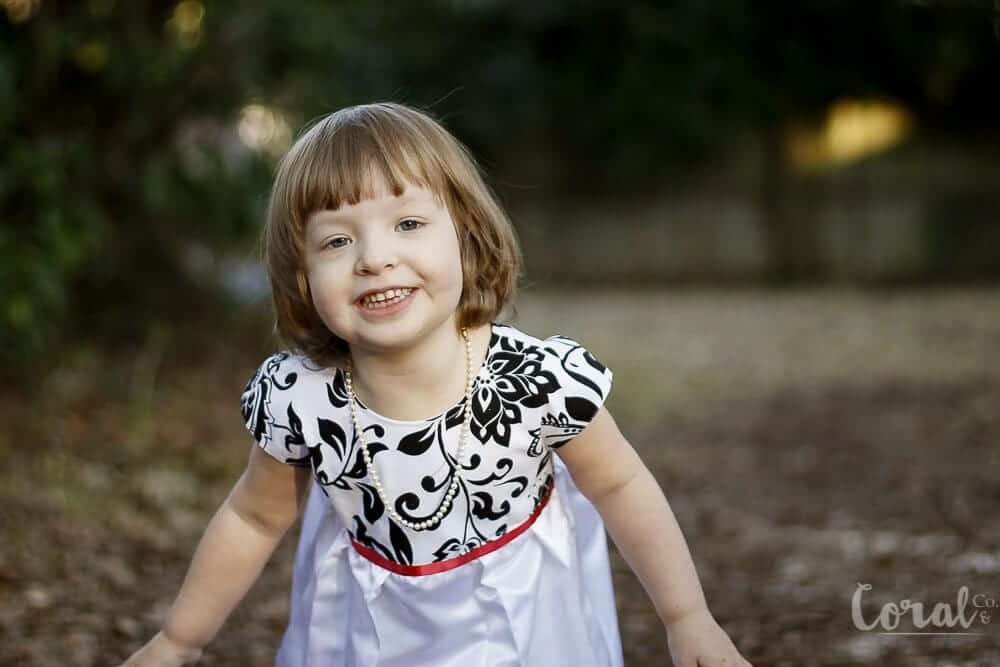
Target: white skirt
544 598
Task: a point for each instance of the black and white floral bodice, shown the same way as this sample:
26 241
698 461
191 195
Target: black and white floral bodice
529 397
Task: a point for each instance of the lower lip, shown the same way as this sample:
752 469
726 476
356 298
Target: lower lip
387 311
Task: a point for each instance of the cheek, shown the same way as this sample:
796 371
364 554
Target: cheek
448 261
451 248
326 284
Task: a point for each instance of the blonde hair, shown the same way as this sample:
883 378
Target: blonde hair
336 160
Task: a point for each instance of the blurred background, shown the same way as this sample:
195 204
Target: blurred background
778 224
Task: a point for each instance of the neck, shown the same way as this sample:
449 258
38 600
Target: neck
420 381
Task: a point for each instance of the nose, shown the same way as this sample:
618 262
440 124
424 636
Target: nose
375 257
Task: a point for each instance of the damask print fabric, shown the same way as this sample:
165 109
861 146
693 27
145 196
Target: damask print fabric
530 397
269 412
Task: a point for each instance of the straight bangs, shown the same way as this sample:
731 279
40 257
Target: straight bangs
346 160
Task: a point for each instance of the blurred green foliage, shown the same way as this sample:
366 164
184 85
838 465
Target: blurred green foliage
100 187
117 119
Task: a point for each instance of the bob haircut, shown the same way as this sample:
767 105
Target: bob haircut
340 159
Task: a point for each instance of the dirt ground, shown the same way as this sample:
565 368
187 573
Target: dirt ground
808 441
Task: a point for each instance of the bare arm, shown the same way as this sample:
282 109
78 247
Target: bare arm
609 472
237 543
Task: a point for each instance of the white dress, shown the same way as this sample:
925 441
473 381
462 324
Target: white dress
516 573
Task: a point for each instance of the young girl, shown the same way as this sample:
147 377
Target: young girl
440 530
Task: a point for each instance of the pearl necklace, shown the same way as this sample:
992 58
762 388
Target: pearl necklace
453 487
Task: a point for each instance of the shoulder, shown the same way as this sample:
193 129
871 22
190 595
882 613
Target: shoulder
566 378
554 348
570 365
279 403
285 382
285 370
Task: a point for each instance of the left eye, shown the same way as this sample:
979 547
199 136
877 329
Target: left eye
415 222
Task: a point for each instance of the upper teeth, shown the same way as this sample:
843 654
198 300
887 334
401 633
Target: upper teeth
388 294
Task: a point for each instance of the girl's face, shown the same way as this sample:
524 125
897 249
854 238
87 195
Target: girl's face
408 242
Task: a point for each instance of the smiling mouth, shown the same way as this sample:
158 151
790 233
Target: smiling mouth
378 304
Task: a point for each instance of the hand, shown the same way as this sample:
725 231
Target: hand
162 651
696 640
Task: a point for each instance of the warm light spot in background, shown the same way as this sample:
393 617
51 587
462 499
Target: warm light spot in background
853 130
264 129
19 11
186 22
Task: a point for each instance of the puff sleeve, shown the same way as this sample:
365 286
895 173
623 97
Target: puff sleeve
582 386
271 413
